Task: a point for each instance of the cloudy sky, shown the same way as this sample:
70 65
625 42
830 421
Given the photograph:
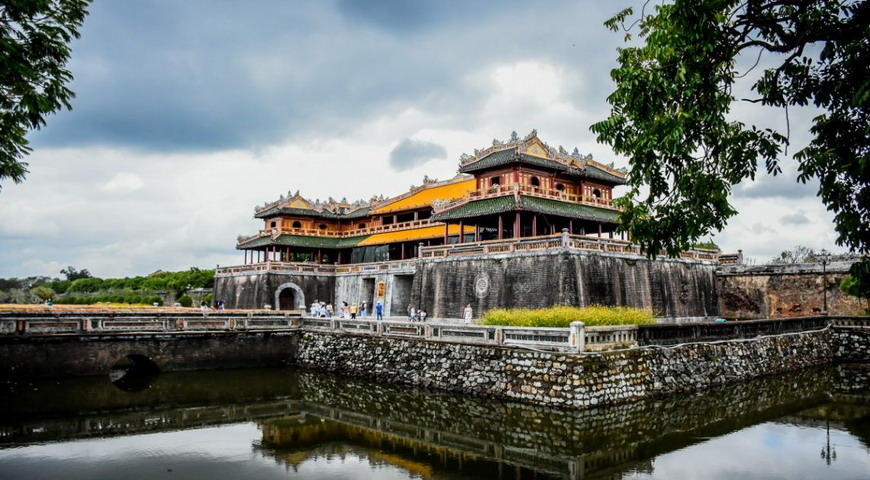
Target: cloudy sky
188 114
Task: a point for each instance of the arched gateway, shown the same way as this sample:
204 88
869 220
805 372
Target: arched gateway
289 296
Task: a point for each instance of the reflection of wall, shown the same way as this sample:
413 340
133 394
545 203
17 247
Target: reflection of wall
606 440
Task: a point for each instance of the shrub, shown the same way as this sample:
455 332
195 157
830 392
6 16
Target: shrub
43 293
208 299
562 316
185 301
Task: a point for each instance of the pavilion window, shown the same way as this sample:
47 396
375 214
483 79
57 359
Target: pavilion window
361 226
322 226
297 224
536 182
495 181
560 187
273 224
596 193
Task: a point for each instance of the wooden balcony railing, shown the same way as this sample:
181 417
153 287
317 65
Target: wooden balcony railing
502 190
547 242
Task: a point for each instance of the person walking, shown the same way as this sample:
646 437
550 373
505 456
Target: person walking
379 311
364 311
422 315
412 313
353 310
345 310
329 310
468 314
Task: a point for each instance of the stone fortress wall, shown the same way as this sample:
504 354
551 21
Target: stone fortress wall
443 286
777 291
669 287
574 380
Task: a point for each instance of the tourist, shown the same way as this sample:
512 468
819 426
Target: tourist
203 307
364 311
221 305
412 313
312 311
468 313
329 310
353 310
422 315
379 311
345 310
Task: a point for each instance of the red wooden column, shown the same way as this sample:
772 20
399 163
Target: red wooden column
476 232
535 225
500 226
246 257
599 230
518 227
446 232
402 257
461 231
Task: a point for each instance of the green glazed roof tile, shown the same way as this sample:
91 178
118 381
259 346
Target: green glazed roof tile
507 203
304 241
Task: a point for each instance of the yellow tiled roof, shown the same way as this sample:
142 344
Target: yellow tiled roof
425 196
410 235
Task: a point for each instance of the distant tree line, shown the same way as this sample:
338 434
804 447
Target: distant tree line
80 287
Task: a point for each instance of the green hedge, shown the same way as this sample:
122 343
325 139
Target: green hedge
562 316
129 299
177 282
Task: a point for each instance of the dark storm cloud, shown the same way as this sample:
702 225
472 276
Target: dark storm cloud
203 75
412 153
784 185
797 218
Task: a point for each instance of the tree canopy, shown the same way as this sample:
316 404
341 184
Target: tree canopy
34 51
670 111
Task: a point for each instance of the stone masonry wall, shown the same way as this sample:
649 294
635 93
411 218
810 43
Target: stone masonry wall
671 288
777 291
258 289
560 380
851 344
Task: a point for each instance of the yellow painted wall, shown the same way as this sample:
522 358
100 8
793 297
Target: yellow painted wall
410 235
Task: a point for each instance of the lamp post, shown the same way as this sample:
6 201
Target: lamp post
825 257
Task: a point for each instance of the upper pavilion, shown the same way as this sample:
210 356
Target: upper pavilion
513 189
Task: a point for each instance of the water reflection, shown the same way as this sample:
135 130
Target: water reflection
289 424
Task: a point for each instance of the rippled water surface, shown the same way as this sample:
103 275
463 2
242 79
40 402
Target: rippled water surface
278 423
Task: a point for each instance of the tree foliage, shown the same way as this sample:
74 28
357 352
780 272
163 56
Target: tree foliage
72 274
43 293
34 51
856 287
670 111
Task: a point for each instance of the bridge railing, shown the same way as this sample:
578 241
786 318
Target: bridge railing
574 339
79 323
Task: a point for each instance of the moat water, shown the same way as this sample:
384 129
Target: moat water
284 423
